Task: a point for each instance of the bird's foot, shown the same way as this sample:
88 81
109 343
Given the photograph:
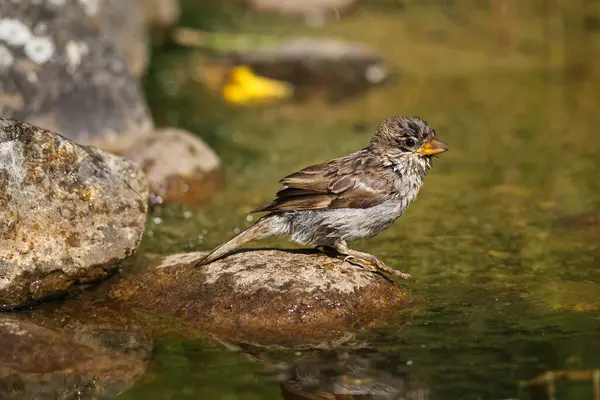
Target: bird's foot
373 264
361 259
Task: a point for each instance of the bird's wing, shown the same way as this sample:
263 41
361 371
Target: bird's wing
355 181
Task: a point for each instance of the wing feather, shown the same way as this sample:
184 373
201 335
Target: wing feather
355 181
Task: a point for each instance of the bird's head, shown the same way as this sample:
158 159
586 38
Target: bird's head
399 138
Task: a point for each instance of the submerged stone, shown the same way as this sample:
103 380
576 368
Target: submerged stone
58 70
267 297
68 213
38 362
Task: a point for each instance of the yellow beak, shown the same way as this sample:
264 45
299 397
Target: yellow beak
432 147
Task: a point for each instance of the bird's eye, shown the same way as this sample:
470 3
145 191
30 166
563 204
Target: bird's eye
410 142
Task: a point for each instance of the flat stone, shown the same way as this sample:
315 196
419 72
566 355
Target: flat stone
266 297
68 213
58 70
37 362
179 166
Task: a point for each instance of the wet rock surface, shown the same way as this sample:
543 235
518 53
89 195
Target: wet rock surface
179 166
338 69
68 213
267 297
58 70
39 362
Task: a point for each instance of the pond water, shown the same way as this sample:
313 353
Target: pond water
507 284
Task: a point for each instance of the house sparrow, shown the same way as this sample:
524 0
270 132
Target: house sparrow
349 198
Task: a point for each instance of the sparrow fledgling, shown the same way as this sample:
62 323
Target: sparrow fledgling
349 198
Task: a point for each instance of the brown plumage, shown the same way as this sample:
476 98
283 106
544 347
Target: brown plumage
354 181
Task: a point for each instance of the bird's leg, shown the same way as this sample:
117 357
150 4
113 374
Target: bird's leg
372 263
329 250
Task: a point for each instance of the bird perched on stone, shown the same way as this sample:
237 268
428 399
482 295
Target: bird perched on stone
349 198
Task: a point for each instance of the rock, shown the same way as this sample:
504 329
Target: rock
180 166
59 71
37 362
122 21
315 12
336 68
68 213
267 297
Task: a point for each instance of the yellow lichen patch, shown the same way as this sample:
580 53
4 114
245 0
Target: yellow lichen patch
87 193
62 157
328 265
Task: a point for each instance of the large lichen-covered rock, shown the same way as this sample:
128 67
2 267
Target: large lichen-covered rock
38 362
59 71
68 213
179 166
266 297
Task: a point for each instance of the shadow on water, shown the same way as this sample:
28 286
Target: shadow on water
509 293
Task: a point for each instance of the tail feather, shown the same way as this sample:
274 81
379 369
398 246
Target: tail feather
260 230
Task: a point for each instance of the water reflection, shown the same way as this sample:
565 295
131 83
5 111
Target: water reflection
347 373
